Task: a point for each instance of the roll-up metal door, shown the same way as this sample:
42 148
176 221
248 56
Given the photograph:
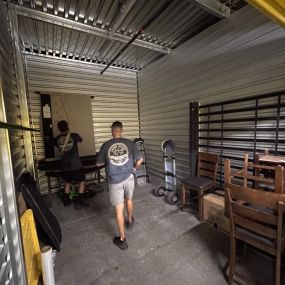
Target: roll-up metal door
233 128
114 97
12 160
122 106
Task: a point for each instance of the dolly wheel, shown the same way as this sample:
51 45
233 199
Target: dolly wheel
99 188
94 188
147 179
159 191
172 199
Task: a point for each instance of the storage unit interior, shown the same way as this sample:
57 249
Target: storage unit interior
140 62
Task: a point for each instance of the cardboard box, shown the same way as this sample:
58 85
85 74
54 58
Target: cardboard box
214 209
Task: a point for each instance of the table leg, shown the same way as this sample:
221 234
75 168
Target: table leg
49 193
99 176
182 197
201 206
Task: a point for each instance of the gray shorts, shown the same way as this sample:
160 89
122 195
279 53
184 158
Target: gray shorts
121 191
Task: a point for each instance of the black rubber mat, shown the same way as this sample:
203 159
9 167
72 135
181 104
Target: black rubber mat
47 225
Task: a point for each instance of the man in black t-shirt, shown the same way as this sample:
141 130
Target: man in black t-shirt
67 144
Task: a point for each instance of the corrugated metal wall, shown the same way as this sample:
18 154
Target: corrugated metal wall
12 159
240 56
247 125
114 96
12 99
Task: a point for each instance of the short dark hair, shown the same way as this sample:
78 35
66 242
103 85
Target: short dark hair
62 126
117 124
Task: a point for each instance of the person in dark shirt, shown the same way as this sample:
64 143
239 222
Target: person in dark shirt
121 158
67 144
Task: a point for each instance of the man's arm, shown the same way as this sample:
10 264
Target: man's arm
137 157
101 157
138 163
79 138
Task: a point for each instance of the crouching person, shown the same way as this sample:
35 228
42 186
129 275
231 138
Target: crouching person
121 158
67 144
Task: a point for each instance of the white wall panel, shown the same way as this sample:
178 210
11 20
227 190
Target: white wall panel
240 56
114 96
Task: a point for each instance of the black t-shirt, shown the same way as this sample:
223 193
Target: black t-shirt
70 159
119 155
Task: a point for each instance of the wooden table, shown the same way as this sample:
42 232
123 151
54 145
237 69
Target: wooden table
53 168
272 159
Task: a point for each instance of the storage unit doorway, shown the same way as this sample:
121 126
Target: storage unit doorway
103 67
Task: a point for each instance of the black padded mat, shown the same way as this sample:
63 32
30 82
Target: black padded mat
49 226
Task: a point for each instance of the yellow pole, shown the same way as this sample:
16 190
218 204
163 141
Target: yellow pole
274 9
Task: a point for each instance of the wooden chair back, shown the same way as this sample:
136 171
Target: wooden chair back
277 183
268 224
208 165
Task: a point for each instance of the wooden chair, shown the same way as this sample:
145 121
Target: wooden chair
204 182
261 226
260 179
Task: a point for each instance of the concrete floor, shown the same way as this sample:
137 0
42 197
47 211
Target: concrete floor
167 246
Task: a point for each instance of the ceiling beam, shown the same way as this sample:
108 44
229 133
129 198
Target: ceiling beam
33 4
214 7
55 6
272 9
63 22
124 12
35 55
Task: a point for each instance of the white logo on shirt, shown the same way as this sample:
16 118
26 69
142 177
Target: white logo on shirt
61 142
118 154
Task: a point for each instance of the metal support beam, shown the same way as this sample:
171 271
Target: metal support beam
33 4
56 20
272 9
44 2
126 9
214 7
29 54
56 6
138 33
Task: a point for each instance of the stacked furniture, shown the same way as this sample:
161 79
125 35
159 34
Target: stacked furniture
256 214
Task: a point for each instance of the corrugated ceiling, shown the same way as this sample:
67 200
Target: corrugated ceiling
181 20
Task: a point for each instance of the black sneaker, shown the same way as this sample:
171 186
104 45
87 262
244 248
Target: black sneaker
66 201
120 244
80 203
131 225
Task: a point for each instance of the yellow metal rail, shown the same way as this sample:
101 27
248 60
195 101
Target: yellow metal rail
31 248
275 9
